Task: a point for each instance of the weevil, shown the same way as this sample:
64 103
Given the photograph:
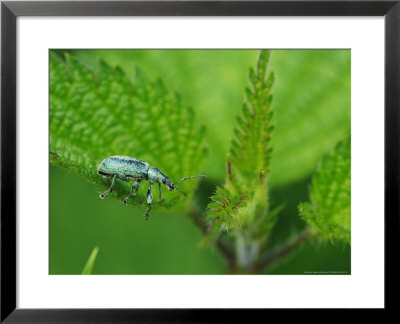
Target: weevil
128 169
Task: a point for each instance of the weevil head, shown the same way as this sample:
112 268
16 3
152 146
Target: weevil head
155 175
169 184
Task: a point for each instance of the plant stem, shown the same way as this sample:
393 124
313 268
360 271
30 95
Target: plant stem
225 250
274 255
284 249
247 252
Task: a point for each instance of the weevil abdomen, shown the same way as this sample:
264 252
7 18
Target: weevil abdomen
124 167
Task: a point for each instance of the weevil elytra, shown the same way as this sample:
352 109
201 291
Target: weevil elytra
128 168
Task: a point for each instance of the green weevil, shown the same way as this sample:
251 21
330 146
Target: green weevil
128 168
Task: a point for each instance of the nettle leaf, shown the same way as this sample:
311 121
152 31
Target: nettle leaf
262 226
329 209
226 206
244 196
223 210
96 116
251 147
312 98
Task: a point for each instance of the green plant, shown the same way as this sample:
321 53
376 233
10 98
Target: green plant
97 114
328 213
242 208
87 270
242 205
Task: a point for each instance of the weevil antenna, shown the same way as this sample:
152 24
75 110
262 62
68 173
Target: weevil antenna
185 178
181 191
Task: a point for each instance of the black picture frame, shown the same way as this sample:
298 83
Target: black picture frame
10 10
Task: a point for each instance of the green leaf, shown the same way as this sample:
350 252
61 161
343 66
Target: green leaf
244 196
329 209
213 232
251 148
224 210
312 100
262 227
87 270
93 116
226 206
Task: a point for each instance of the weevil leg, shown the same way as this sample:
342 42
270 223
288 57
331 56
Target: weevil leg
105 193
149 200
133 191
160 196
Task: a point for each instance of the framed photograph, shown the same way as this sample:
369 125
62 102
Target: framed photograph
164 158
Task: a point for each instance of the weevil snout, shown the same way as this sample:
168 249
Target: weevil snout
170 185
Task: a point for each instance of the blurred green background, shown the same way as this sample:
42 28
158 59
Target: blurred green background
312 112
